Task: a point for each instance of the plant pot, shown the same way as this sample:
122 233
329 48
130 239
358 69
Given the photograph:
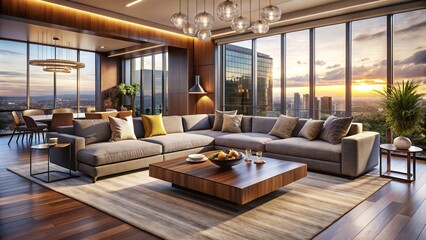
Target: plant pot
401 142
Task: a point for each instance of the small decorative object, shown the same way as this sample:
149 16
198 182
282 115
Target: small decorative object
196 157
227 159
53 140
248 155
129 90
402 104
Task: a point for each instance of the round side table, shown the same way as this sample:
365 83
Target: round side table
48 148
411 155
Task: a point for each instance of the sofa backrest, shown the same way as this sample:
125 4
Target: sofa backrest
93 130
138 127
173 124
263 124
195 122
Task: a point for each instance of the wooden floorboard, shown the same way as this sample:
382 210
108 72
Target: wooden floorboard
30 211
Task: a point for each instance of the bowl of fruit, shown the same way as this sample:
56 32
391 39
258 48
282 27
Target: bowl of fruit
227 159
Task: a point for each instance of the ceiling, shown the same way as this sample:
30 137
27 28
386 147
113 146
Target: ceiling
38 34
160 11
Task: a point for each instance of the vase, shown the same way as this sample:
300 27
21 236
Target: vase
401 142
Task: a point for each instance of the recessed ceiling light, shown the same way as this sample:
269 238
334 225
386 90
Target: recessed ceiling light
101 47
133 3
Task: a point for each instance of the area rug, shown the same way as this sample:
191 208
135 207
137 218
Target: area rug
300 210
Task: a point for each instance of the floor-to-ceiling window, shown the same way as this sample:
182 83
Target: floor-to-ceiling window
297 74
409 52
330 71
36 88
268 76
13 81
238 88
369 67
150 72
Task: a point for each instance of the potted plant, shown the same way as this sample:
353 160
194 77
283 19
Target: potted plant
129 90
402 104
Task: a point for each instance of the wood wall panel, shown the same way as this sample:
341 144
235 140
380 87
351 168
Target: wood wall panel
53 15
203 66
110 75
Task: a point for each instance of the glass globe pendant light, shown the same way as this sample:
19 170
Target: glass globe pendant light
260 26
204 35
271 13
240 24
189 29
227 10
204 20
179 19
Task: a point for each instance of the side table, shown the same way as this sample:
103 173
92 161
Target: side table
411 155
48 148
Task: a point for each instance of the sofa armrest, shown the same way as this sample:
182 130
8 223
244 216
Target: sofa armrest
60 157
360 153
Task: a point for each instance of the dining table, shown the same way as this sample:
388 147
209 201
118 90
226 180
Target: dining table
48 118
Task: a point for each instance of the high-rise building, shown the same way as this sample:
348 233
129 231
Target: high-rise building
316 108
239 81
297 104
305 106
326 105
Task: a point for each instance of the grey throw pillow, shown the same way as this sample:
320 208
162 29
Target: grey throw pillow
284 126
335 128
232 123
311 129
218 119
93 130
121 129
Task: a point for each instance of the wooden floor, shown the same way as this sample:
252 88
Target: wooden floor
29 211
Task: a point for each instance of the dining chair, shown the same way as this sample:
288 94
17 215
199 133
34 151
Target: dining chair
90 109
33 112
60 119
123 114
62 110
35 127
100 115
19 126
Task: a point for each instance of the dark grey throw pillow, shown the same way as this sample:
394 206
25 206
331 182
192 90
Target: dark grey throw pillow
284 126
311 129
218 119
335 128
93 130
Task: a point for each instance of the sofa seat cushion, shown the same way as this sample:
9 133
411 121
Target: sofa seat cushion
254 141
112 152
302 147
209 132
180 141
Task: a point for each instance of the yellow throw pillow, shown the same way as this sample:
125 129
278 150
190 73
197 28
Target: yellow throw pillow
153 125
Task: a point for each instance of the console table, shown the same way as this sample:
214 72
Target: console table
410 155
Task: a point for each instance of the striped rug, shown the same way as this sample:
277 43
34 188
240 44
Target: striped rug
300 210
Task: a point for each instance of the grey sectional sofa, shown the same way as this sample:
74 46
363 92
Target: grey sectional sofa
93 155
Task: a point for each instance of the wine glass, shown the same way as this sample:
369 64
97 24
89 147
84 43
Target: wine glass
259 156
248 154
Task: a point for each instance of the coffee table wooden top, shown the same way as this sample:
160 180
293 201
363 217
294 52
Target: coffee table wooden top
241 183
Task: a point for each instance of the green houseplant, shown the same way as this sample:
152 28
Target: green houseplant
402 104
129 90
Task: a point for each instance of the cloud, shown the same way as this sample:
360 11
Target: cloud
8 52
412 28
364 37
410 71
320 62
334 66
301 63
298 81
9 73
417 58
364 59
336 74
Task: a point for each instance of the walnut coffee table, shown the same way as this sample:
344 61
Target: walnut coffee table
240 184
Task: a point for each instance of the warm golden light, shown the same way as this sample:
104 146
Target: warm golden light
133 3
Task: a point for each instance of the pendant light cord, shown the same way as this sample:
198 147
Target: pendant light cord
204 5
180 7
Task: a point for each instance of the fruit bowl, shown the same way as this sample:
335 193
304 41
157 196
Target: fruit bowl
228 161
